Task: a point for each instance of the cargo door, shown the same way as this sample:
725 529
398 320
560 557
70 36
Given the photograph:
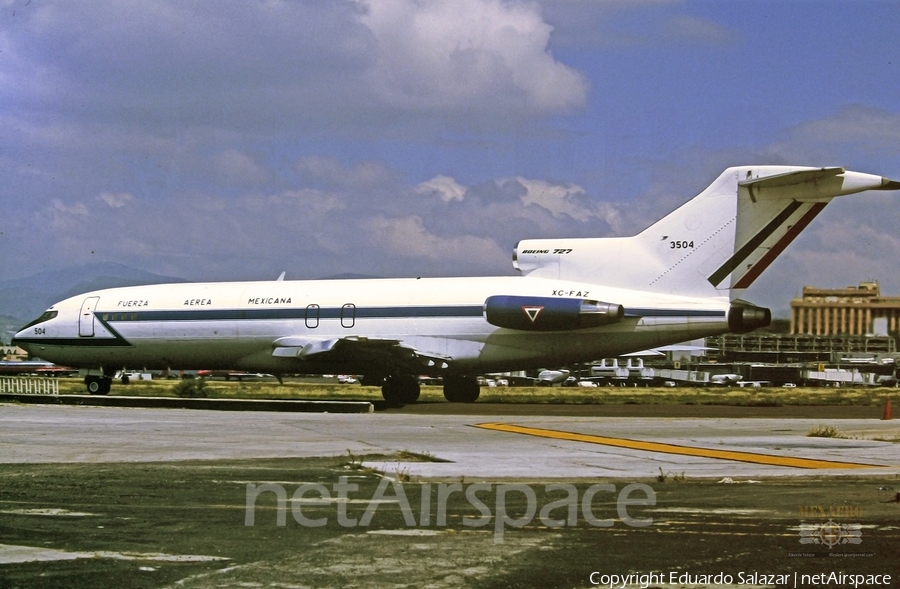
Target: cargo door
86 318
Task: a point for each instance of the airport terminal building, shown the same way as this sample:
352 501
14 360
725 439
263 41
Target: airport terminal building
826 325
855 310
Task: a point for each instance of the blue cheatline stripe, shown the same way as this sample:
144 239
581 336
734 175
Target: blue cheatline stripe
87 342
294 313
357 312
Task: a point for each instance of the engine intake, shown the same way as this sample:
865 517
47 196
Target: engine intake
744 318
549 313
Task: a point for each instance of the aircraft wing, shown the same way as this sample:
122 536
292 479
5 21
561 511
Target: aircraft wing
357 348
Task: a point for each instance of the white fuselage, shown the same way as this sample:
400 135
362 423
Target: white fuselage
679 279
238 325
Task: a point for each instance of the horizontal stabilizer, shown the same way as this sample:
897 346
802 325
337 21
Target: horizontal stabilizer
818 184
792 178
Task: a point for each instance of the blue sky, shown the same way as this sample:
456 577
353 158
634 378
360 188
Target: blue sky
235 140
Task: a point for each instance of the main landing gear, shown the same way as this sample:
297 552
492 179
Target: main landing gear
461 389
98 385
400 390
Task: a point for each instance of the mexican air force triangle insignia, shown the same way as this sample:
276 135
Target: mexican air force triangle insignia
532 312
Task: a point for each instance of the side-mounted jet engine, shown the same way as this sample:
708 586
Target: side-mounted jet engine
549 314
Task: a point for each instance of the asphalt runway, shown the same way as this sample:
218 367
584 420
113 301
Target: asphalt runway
415 497
522 447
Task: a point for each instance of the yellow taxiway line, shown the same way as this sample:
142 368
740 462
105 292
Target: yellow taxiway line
754 457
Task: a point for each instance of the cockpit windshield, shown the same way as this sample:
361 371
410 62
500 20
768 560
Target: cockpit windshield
46 316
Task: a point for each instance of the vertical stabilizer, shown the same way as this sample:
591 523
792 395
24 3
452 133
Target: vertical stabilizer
716 244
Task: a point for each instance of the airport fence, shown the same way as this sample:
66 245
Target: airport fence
29 385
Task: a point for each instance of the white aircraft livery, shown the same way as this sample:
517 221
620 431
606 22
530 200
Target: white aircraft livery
577 300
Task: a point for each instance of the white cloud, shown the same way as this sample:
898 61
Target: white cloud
853 239
237 167
316 201
559 200
316 168
116 200
483 54
868 129
331 172
569 200
341 66
445 187
77 209
408 238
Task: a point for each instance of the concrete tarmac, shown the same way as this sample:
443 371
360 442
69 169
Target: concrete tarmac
489 447
112 496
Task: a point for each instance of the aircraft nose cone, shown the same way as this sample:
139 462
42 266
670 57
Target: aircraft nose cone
19 343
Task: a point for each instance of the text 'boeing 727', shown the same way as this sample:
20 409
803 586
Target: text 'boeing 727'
578 300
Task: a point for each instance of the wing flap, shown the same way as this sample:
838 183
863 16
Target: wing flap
357 346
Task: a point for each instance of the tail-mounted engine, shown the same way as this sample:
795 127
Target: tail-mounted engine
549 313
744 318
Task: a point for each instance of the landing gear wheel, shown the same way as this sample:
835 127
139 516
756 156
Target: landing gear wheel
98 385
461 389
400 390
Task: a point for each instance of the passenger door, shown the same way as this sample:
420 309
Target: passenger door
86 318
